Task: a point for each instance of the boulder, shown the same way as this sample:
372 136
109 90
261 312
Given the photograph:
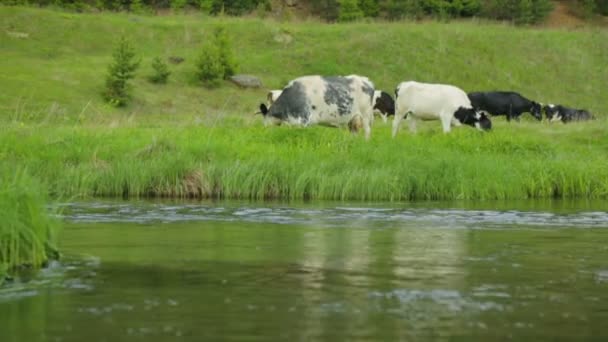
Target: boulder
246 81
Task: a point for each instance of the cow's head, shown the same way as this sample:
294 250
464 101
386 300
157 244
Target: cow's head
384 103
552 112
536 111
475 118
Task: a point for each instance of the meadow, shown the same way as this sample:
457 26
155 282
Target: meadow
184 140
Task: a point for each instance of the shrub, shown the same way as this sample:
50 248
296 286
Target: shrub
120 72
210 70
349 10
226 55
161 71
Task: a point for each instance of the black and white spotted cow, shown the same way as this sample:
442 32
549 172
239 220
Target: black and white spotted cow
425 101
507 103
384 105
272 96
565 114
319 100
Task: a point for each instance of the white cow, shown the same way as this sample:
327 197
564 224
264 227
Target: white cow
425 101
331 101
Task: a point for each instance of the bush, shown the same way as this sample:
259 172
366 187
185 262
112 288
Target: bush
120 72
518 11
161 71
349 10
210 70
224 46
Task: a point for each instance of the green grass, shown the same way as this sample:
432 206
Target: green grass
57 73
525 160
27 232
182 140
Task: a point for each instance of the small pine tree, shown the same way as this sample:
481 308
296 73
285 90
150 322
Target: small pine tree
210 70
224 46
161 71
120 72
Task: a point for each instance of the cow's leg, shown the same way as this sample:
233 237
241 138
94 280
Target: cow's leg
397 120
367 127
411 120
446 121
384 117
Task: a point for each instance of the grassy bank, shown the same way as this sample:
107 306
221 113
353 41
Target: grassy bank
525 160
183 140
54 63
27 232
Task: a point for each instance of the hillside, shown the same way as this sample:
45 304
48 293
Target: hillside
54 63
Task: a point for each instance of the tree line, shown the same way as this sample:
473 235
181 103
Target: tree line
517 11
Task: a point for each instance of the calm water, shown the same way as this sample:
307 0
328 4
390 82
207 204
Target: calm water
144 271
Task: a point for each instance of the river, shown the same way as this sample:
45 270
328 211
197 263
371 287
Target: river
193 271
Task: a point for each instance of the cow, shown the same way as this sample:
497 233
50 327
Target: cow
426 101
507 103
383 105
565 114
272 96
331 101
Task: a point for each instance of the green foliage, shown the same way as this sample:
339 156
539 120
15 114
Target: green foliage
370 8
349 10
178 5
233 7
120 72
160 71
518 11
210 70
137 6
205 5
27 233
326 9
601 7
226 55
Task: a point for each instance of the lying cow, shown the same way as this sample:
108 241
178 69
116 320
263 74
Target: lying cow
507 103
565 114
383 105
425 101
332 101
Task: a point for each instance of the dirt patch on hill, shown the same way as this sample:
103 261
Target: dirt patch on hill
563 16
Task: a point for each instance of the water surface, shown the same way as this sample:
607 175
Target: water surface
159 271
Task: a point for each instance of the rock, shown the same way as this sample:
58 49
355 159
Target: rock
176 59
246 81
20 35
291 3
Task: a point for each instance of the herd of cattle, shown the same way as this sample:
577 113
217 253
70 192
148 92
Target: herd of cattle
352 101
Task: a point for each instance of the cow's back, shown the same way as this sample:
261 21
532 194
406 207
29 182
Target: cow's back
431 99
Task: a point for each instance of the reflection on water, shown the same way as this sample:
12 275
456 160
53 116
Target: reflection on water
161 272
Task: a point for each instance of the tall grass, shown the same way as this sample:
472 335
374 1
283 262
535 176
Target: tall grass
519 160
27 232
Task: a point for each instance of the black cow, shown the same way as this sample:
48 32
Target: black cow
507 103
565 114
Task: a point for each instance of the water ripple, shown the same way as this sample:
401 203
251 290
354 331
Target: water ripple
338 216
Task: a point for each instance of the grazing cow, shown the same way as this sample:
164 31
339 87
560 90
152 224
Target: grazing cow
507 103
331 101
425 101
565 114
272 96
383 105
